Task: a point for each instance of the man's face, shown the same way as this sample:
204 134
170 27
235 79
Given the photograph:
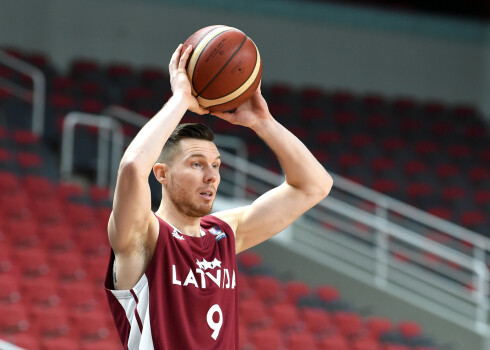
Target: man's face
193 177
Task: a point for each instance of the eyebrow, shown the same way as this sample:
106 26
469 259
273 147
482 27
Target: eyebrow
200 155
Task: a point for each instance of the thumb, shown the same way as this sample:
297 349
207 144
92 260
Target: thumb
229 117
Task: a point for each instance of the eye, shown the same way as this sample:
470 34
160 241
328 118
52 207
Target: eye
215 166
196 164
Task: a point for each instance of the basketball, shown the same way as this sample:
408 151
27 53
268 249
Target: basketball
224 67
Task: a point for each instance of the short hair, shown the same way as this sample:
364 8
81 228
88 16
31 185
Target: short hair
184 131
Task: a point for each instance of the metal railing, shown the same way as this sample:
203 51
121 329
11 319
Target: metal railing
378 240
38 94
389 245
110 144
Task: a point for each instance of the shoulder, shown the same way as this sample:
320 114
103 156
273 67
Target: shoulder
210 221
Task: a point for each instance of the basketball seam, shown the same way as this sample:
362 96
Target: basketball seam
248 77
210 102
224 66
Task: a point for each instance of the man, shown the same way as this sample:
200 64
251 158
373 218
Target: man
171 281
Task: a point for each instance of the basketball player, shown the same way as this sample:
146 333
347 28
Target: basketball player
171 281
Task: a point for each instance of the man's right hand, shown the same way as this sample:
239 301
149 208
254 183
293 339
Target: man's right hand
180 82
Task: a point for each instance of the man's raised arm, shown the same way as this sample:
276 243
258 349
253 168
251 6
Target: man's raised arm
131 213
307 182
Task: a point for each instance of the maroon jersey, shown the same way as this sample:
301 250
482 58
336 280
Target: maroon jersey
187 298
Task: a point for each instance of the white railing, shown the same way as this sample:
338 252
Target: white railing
378 240
385 243
38 94
110 144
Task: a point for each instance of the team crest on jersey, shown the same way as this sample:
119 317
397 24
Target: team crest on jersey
177 235
217 232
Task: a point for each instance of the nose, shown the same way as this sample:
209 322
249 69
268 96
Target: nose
211 175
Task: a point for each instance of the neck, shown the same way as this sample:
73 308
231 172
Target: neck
186 225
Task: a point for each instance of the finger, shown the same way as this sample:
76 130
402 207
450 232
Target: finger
185 57
224 115
175 57
202 111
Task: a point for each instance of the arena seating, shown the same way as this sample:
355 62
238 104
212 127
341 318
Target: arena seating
427 154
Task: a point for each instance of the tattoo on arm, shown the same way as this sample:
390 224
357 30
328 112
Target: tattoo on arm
114 278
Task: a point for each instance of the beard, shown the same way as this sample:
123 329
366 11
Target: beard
183 201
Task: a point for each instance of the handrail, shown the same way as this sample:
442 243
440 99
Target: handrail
385 233
39 88
109 128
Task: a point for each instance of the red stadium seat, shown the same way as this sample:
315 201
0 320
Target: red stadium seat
348 323
6 261
301 341
23 234
9 182
41 292
66 190
361 140
333 341
61 343
249 259
445 171
327 293
316 320
78 296
284 316
68 266
57 238
58 325
99 194
365 344
101 345
381 164
32 262
415 167
409 329
10 292
295 290
90 325
38 186
426 148
393 144
253 313
377 326
267 287
267 339
14 320
386 186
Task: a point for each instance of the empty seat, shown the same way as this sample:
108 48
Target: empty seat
267 287
284 316
295 290
14 319
301 341
267 339
90 325
333 341
10 292
409 329
348 323
377 326
58 325
253 313
316 320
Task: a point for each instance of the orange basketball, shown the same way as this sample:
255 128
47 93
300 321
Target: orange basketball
224 67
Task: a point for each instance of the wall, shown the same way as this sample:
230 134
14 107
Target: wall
335 55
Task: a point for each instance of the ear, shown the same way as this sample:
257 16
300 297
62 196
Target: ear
160 170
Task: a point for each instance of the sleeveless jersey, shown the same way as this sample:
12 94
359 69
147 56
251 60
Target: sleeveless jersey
187 298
